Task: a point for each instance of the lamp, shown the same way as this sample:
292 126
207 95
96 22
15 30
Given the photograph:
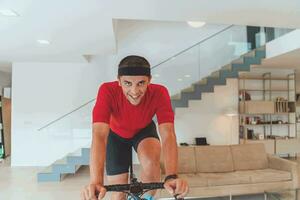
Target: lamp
230 112
196 24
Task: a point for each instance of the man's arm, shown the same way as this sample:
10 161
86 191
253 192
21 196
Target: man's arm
169 147
177 186
98 152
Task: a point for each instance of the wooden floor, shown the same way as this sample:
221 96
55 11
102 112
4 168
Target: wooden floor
20 183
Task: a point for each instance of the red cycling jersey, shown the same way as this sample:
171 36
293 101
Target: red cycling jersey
125 119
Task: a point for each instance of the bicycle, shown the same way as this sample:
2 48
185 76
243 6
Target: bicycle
135 189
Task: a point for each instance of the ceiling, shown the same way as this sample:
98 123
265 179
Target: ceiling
76 27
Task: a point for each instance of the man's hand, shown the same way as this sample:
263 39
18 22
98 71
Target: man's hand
178 187
89 192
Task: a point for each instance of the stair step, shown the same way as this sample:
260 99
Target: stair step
77 160
61 161
189 89
179 103
202 82
47 170
176 96
75 153
216 81
252 61
249 54
260 54
215 74
64 169
227 67
238 61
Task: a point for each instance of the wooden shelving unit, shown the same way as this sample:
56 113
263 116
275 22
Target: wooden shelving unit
261 116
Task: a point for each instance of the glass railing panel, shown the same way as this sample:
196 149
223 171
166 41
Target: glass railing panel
179 72
176 73
222 49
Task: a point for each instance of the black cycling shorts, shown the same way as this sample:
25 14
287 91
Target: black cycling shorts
119 150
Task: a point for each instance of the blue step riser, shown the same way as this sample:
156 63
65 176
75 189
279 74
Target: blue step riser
49 177
64 169
204 88
229 74
216 81
191 95
260 54
179 104
252 61
78 160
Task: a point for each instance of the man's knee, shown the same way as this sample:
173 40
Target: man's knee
150 164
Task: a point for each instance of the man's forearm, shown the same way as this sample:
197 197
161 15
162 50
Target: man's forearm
97 158
169 150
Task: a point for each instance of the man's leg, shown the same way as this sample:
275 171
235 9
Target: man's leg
118 179
148 151
118 159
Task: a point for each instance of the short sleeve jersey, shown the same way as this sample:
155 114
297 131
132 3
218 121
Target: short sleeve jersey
125 119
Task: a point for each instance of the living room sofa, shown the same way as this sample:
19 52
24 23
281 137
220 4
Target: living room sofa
232 170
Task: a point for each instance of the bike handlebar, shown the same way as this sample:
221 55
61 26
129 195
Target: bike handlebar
136 188
125 187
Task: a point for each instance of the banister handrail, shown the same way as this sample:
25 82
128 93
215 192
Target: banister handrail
63 116
205 39
166 60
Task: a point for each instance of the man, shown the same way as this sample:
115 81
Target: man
122 119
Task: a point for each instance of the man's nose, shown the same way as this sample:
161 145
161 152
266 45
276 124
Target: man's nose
134 90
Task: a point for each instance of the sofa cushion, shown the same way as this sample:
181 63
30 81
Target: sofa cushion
194 180
186 160
225 178
213 159
249 156
268 175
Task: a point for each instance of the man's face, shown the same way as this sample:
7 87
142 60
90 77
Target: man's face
134 87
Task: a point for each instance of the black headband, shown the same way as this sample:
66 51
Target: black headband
134 71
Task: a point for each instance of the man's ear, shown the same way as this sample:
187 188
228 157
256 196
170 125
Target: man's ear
119 80
150 78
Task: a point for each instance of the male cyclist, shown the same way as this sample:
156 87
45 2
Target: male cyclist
122 119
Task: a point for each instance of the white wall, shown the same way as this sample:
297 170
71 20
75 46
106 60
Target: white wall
43 92
206 118
5 80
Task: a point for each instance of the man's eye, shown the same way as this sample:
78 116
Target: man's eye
141 84
127 83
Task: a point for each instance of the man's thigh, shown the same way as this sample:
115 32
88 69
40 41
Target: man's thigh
118 155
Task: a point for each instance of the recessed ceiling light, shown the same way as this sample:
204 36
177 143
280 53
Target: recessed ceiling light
8 13
187 76
179 79
196 24
44 42
156 75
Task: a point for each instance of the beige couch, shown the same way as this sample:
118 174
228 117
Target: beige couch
236 169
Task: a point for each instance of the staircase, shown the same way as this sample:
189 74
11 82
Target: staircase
73 161
67 165
218 78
